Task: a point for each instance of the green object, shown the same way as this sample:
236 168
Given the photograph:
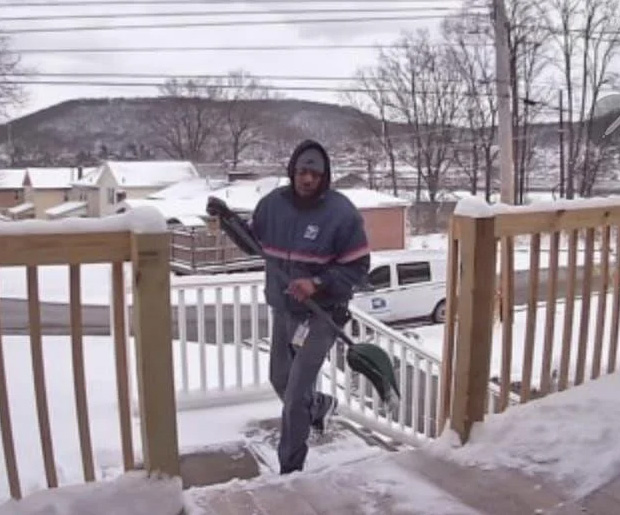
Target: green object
373 363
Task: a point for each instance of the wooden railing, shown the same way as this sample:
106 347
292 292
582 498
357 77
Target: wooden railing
576 241
114 240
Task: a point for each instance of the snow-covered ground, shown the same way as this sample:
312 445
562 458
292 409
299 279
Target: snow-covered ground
570 436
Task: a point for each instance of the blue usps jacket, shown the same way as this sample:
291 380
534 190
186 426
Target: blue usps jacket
324 238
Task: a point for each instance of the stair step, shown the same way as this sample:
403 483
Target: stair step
495 491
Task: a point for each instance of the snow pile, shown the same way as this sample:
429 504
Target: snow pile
131 494
572 437
140 220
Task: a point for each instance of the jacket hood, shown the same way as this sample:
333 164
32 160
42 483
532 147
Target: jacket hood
303 146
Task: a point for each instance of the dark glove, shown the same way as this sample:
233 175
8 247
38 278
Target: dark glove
217 207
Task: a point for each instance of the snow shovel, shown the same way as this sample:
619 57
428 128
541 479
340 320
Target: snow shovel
365 358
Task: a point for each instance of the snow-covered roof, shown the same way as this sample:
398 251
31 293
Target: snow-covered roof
142 174
364 198
190 197
170 209
22 208
191 221
90 177
147 174
52 178
66 208
12 179
190 188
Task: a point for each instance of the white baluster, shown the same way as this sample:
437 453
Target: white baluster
219 338
182 321
237 335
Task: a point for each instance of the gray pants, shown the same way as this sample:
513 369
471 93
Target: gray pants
293 372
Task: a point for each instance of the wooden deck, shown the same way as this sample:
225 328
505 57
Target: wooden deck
379 486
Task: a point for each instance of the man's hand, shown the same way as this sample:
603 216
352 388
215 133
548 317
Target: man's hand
301 289
217 207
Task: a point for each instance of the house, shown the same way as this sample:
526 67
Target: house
11 188
44 188
106 187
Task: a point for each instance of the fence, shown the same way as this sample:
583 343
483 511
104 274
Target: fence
145 243
223 327
570 247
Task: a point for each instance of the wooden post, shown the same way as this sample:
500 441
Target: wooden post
153 336
475 323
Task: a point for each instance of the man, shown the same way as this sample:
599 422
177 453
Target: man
316 236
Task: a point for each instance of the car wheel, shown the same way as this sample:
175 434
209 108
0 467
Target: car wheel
439 313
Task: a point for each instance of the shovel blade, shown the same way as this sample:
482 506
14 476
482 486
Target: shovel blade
374 363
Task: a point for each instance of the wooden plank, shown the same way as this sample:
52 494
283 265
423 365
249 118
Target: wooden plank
602 303
473 349
535 221
60 249
153 336
507 313
552 289
530 324
122 369
38 371
6 428
79 381
615 312
586 298
449 331
569 309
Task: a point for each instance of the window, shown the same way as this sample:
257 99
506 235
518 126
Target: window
111 198
380 277
411 273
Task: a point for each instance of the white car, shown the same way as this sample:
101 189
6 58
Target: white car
405 284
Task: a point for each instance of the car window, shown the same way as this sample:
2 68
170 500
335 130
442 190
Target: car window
414 272
380 277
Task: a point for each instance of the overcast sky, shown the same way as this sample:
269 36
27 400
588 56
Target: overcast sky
332 62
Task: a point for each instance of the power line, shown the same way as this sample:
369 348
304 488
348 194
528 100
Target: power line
138 75
220 13
222 24
224 48
99 4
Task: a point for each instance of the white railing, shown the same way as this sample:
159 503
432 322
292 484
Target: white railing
221 357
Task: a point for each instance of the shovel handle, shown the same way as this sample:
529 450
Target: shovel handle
241 232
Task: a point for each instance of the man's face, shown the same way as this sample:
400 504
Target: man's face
307 182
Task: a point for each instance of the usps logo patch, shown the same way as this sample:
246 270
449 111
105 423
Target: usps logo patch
312 231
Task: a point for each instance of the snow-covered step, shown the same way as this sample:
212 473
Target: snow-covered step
405 482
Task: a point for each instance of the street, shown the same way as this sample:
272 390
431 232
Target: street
96 319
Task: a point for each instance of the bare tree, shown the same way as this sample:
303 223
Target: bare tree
242 118
188 119
11 94
587 39
374 107
426 92
528 44
469 38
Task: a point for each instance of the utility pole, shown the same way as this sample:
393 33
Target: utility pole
562 160
502 77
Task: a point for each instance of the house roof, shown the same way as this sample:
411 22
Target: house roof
67 208
12 179
51 178
190 197
21 209
142 174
